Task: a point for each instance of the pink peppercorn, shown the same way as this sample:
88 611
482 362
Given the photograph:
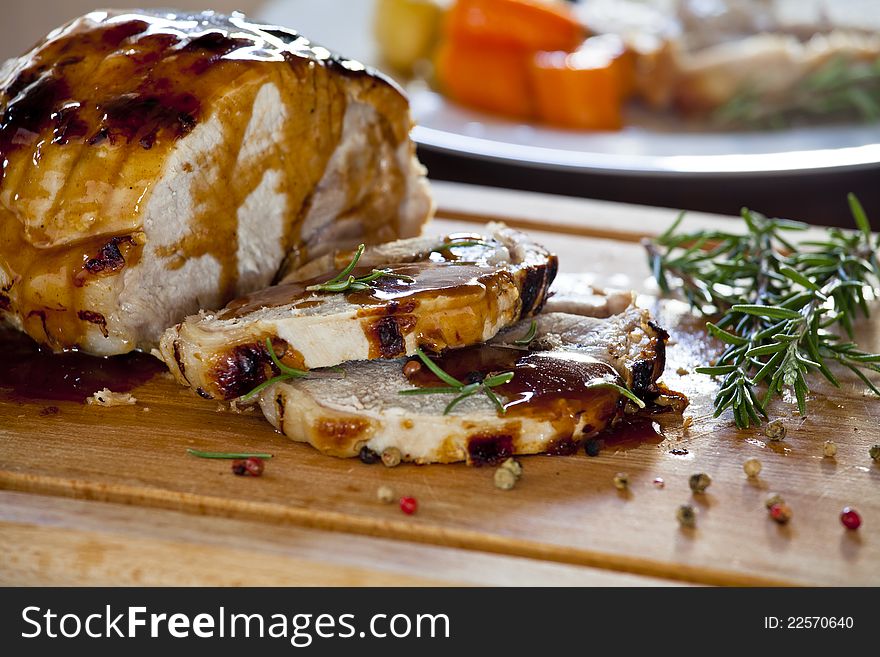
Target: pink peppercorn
850 518
252 466
780 512
408 505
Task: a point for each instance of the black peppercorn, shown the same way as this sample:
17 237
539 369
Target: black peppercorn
368 456
593 446
474 377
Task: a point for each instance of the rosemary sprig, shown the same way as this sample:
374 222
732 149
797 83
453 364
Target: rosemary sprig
781 305
445 246
226 455
624 392
460 389
285 373
528 337
344 281
840 88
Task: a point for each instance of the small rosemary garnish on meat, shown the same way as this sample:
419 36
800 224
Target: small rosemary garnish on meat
778 303
286 373
528 337
462 390
226 455
455 243
345 282
624 392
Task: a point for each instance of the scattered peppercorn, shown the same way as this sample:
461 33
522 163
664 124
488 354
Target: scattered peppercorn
514 466
507 474
385 495
391 456
658 482
850 518
593 446
687 516
621 481
773 499
874 452
752 467
830 448
700 482
504 479
368 456
411 367
775 430
781 512
409 505
252 466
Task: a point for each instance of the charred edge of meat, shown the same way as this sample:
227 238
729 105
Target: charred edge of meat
387 333
241 369
108 260
534 288
94 318
42 315
489 448
658 345
200 391
5 302
279 405
552 269
563 446
648 369
643 376
178 359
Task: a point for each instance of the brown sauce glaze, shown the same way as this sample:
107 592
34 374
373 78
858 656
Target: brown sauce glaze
541 380
431 280
632 431
29 373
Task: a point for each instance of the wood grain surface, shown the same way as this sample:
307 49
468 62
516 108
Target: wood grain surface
318 517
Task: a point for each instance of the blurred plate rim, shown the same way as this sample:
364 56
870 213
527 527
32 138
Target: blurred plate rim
806 161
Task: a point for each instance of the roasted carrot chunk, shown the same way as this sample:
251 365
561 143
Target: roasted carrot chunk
528 24
577 90
486 76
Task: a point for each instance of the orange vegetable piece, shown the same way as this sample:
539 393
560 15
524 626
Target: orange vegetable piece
527 24
486 76
577 90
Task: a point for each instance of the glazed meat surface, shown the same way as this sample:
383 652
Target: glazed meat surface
155 164
554 401
458 290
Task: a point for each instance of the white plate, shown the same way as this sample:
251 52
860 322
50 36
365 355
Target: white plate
647 146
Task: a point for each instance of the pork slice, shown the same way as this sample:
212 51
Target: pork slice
453 296
555 400
159 163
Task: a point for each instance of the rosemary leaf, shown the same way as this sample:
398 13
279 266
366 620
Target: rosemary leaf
528 337
435 369
626 392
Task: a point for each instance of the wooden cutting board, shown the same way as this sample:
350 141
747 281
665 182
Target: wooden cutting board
109 496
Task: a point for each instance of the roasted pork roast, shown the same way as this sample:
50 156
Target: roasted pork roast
154 164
